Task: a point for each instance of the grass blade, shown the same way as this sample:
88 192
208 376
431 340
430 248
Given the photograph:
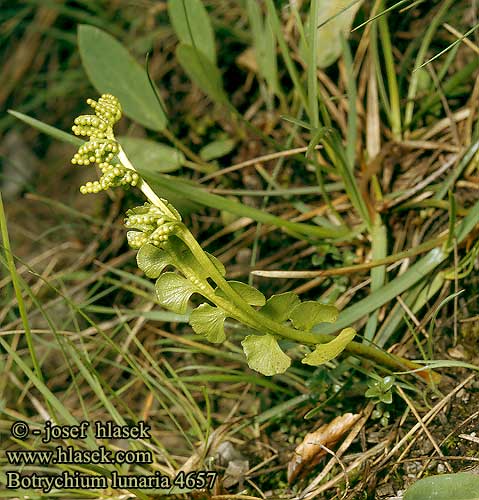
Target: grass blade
212 200
47 129
399 285
427 39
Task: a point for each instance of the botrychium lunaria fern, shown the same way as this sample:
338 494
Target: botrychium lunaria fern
156 230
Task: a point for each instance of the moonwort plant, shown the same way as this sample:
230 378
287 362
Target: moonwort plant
156 230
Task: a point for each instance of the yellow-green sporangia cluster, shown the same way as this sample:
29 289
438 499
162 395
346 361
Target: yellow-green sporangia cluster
148 224
101 148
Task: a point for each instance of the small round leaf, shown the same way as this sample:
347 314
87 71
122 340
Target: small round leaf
279 307
330 350
264 354
173 292
249 294
152 260
209 321
310 313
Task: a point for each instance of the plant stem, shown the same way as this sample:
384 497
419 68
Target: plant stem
145 187
208 292
246 314
261 322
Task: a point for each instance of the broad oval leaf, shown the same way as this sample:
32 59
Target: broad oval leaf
192 25
328 351
279 307
460 486
335 18
152 260
209 321
151 156
264 354
248 293
310 313
202 72
173 292
217 149
111 68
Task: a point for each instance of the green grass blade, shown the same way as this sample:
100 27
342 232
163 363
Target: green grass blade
449 47
53 401
331 141
18 291
457 79
396 314
382 13
374 51
394 288
394 98
285 52
426 41
264 44
399 285
312 50
47 129
351 137
447 185
211 200
378 274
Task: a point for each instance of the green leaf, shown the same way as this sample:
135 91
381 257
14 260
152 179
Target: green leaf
389 291
264 354
202 72
208 321
328 351
387 383
218 264
173 292
310 313
167 186
267 49
111 68
434 364
264 44
460 486
47 129
386 398
277 28
335 18
152 260
279 307
372 392
217 149
151 156
184 254
192 25
252 296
